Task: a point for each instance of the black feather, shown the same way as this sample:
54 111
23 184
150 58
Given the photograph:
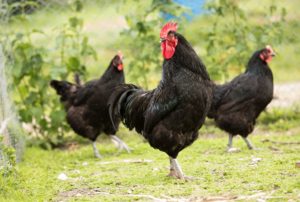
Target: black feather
87 108
237 104
169 116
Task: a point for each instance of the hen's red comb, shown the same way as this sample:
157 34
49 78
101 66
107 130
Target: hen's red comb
120 54
269 47
170 26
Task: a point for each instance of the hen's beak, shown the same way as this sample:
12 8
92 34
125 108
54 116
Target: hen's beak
273 54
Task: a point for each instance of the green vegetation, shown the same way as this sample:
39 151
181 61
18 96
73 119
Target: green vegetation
56 41
7 159
33 65
227 39
269 172
281 119
232 36
144 50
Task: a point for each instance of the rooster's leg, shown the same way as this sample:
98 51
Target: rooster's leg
230 149
249 145
121 145
96 152
172 168
175 169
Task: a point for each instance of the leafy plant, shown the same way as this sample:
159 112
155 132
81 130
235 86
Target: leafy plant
232 35
7 159
141 38
32 66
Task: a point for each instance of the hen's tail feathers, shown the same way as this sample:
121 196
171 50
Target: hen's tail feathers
117 101
57 85
77 79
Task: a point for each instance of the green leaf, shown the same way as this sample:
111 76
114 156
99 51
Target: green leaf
73 63
37 113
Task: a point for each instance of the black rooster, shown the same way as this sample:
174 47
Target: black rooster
237 104
169 116
86 105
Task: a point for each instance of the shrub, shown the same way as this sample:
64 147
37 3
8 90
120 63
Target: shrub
141 38
229 35
33 64
7 158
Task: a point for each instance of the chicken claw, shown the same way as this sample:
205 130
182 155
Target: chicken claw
96 152
121 145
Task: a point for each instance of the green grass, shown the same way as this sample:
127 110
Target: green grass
217 173
281 119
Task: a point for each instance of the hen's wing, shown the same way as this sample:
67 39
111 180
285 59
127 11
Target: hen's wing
85 93
239 92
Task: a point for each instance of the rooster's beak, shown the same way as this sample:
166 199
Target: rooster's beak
162 40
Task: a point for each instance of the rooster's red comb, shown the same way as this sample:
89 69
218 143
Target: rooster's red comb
170 26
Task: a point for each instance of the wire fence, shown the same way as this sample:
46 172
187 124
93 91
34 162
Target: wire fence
11 132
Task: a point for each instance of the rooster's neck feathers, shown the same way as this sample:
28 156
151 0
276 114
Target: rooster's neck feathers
185 57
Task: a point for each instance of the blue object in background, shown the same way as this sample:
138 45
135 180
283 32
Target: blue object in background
196 7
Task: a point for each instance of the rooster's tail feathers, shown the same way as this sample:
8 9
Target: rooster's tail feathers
117 101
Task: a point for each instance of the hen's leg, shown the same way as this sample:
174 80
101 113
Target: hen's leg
175 169
121 145
229 145
231 149
249 145
96 152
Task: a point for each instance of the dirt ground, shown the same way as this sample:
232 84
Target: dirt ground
286 95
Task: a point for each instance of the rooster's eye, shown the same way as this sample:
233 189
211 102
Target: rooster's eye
171 34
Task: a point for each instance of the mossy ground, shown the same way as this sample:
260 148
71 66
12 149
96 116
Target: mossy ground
268 173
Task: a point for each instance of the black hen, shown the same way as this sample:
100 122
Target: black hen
86 106
169 116
237 104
